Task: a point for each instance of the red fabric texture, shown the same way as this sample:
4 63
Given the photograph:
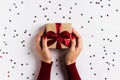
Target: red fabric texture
62 37
72 72
45 72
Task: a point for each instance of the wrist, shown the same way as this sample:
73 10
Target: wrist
47 60
69 62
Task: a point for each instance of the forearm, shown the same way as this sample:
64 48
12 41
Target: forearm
72 72
45 71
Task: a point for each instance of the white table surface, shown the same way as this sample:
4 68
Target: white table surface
98 22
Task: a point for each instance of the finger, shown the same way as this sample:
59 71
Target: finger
75 33
44 42
79 43
79 39
73 43
38 38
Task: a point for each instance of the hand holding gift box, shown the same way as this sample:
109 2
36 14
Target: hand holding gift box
58 35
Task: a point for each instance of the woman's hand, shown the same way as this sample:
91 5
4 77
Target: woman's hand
75 48
41 46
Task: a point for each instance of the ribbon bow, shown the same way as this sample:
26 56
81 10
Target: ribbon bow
63 37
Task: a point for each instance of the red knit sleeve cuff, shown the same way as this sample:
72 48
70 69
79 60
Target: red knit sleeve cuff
45 71
73 65
46 64
72 72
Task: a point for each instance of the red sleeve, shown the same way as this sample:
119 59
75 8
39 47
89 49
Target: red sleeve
45 71
72 72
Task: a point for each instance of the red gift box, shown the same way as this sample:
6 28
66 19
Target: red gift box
58 35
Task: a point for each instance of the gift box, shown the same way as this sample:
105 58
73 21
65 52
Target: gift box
58 35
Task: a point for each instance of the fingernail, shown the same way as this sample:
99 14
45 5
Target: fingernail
44 37
73 37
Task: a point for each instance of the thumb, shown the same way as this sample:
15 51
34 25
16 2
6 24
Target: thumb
73 43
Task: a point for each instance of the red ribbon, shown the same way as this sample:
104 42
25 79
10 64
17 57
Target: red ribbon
63 37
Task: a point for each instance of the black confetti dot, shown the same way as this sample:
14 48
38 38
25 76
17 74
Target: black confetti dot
90 63
29 34
81 14
59 4
107 15
40 5
105 53
116 35
103 57
56 59
91 68
27 63
18 13
88 21
27 77
102 29
4 35
75 3
109 5
14 62
9 9
82 27
14 3
69 17
21 2
56 73
43 9
113 65
91 17
21 64
104 50
33 74
92 35
10 20
101 6
94 74
28 53
108 69
103 39
60 8
23 45
21 74
15 6
101 16
90 2
54 12
89 45
11 60
94 55
49 1
13 67
14 30
63 17
113 59
110 40
105 78
57 65
90 56
45 15
6 52
70 7
48 19
116 10
70 12
114 53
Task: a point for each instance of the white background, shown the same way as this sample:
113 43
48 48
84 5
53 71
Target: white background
97 21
